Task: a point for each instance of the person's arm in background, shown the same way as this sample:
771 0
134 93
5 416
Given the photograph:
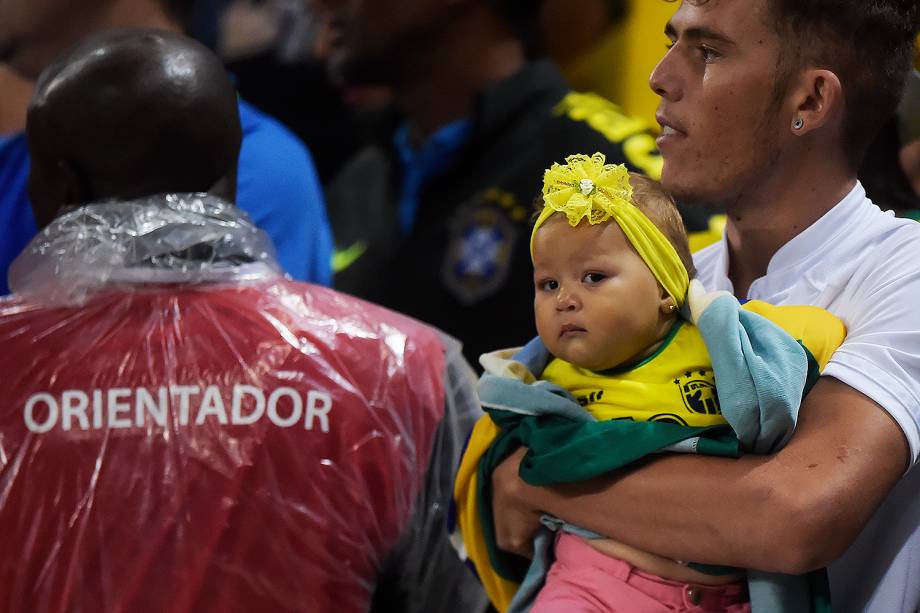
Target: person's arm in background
789 512
278 187
425 574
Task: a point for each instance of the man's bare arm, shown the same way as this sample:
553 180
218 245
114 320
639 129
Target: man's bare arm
790 512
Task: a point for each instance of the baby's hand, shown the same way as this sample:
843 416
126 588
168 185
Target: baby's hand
699 299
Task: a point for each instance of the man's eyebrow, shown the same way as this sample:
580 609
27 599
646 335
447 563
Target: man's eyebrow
697 33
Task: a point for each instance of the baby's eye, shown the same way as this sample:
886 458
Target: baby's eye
548 285
593 277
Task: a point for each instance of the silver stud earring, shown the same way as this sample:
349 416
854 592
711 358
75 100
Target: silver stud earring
798 124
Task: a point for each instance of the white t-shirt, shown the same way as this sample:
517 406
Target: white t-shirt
863 265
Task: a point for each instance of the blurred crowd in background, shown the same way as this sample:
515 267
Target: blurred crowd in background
280 52
410 107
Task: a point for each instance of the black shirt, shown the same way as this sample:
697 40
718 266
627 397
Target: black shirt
465 267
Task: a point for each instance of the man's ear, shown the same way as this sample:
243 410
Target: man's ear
817 99
74 190
53 186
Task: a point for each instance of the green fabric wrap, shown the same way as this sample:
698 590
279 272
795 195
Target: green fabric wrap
563 451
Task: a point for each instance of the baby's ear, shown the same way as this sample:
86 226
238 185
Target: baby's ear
665 303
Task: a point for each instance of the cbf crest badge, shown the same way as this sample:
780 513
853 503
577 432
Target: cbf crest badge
698 390
482 237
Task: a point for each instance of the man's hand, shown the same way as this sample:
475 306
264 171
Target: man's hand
516 519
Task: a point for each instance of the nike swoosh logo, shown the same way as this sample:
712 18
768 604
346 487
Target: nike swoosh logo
343 258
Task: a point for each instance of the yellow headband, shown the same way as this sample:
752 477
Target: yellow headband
587 188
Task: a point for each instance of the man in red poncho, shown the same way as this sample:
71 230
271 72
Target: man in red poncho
182 428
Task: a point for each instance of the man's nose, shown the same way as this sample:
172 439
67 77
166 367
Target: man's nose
665 79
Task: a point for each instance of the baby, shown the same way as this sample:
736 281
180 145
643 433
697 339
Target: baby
612 272
609 316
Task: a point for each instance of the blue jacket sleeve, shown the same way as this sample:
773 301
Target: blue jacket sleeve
278 187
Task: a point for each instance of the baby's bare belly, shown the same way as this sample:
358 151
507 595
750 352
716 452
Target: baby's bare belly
657 565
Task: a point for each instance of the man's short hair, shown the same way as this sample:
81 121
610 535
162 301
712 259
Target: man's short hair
868 44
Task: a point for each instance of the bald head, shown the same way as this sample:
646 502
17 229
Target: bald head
131 113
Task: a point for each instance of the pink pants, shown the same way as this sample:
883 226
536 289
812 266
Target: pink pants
583 579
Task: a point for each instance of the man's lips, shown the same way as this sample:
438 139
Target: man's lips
670 130
669 125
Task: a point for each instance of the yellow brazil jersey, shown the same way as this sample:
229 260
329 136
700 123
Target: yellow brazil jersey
675 384
819 331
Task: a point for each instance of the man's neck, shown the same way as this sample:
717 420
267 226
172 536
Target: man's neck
439 85
781 208
140 14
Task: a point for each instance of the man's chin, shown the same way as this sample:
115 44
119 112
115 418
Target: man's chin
686 190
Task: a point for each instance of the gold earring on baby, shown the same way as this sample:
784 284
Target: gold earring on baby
798 124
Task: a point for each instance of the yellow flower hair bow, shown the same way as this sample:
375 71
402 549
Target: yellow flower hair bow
588 188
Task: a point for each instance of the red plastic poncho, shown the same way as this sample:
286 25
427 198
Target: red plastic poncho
244 443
